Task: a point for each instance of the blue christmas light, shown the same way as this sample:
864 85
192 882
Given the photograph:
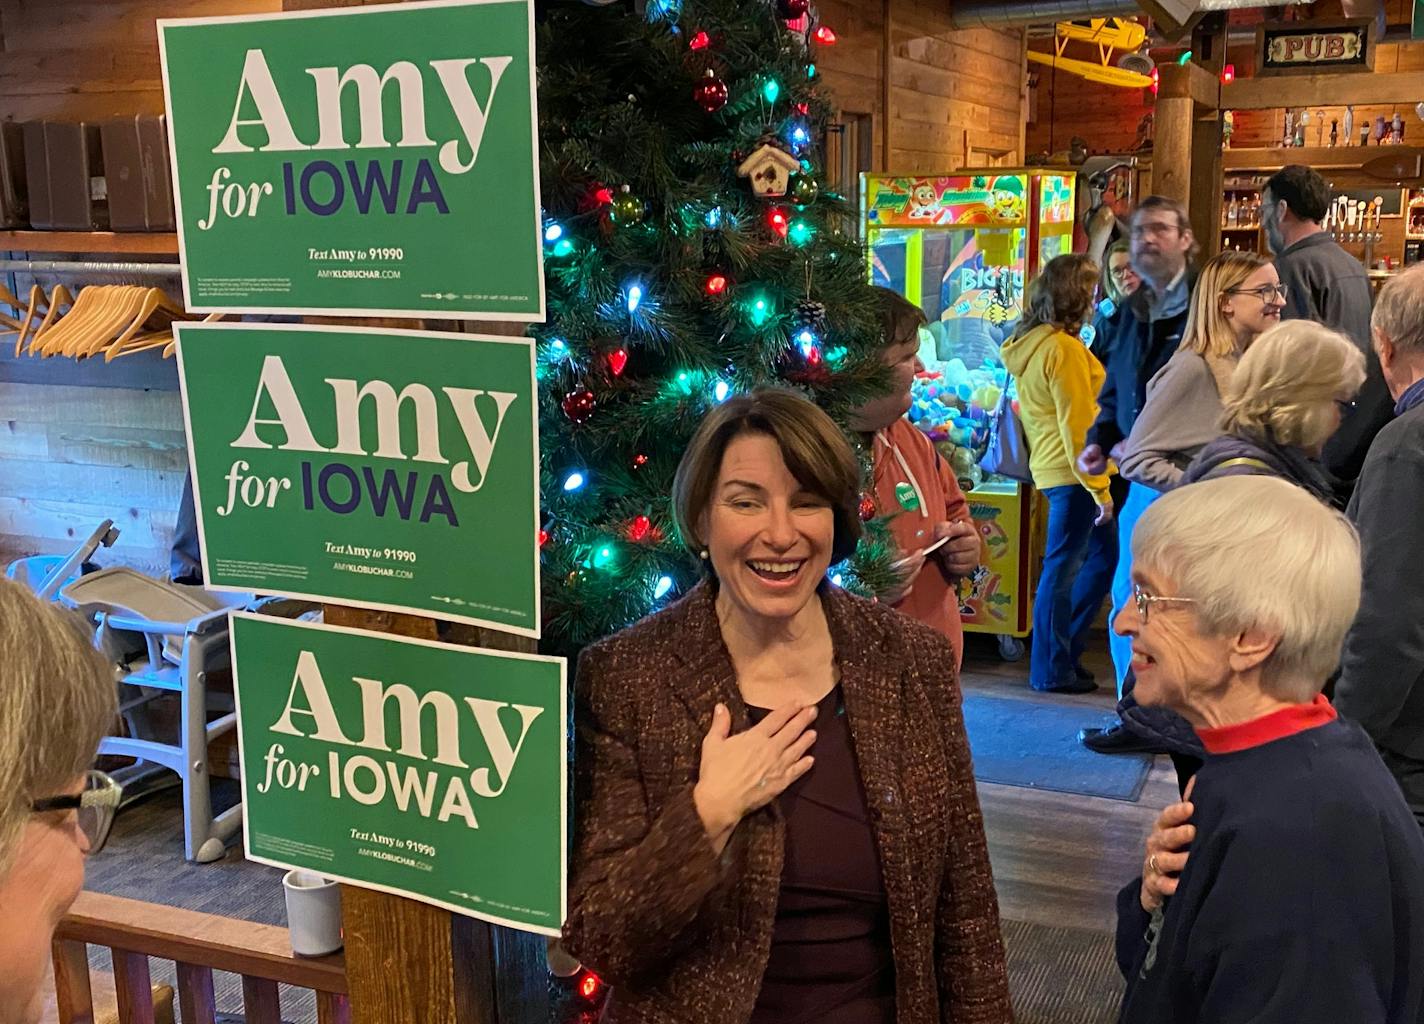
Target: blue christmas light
553 232
558 348
836 580
806 339
573 481
799 135
664 585
635 296
714 217
721 390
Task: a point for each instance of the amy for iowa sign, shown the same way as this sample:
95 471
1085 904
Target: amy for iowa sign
371 160
369 466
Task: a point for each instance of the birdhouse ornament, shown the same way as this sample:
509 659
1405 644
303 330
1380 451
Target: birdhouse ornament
769 168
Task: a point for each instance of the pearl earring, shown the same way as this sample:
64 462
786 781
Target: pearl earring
704 554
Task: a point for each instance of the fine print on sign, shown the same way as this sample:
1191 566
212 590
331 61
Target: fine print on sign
374 467
1317 46
366 161
423 769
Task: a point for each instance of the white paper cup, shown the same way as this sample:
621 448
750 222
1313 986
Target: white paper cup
313 913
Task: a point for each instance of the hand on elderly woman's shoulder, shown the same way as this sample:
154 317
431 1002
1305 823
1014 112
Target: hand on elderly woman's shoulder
1167 851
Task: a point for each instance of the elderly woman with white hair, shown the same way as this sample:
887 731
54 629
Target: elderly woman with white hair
57 700
1284 400
1301 894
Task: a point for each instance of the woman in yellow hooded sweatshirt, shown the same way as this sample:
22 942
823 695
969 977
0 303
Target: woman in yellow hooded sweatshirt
1058 381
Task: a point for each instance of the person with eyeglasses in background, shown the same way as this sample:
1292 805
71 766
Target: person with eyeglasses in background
1094 578
57 701
1133 347
1237 297
1329 286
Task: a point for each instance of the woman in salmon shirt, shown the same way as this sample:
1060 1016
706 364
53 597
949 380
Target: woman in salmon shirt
1058 382
916 487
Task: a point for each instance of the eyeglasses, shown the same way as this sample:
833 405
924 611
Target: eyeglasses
1264 293
96 806
1122 273
1155 228
1145 601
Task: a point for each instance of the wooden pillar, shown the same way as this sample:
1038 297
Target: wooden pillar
1204 201
887 59
1172 148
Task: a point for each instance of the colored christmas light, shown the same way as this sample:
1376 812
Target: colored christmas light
618 361
776 219
837 355
684 382
721 390
1185 58
639 461
558 348
635 297
810 71
1228 74
563 247
825 35
807 341
639 528
543 537
604 557
838 580
799 136
553 232
760 310
800 233
716 284
662 588
771 90
573 481
714 217
699 41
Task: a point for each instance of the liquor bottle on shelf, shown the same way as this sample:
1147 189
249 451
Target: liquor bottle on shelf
1233 213
1334 132
1349 125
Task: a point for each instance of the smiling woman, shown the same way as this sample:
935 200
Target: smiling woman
732 863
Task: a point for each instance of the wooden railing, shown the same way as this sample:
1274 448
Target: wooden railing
198 944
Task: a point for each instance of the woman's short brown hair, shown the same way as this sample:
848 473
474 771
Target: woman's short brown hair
900 319
1061 294
816 452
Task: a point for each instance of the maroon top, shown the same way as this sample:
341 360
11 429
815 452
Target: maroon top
830 945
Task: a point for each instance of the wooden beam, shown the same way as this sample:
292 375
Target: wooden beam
1172 149
1404 87
1190 81
1204 200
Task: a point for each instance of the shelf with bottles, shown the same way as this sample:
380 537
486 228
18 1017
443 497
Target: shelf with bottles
1240 209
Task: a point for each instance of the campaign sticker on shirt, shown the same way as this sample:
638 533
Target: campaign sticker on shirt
906 496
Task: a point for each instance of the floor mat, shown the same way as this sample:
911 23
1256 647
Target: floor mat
1034 745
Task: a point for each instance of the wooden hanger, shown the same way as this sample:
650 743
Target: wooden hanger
59 297
164 339
52 332
9 298
91 301
154 302
117 305
37 297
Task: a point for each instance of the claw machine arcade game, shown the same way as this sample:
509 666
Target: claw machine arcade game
961 247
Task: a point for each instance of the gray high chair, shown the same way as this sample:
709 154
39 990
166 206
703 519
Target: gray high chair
165 638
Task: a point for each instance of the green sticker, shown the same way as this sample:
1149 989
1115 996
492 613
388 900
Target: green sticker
906 496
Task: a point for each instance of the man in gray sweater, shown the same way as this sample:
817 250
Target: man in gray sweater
1326 284
1381 682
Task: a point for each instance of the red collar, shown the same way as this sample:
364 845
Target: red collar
1228 739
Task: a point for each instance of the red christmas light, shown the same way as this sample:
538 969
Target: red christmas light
617 361
716 284
777 220
589 986
803 108
700 41
1228 74
543 537
639 461
814 357
639 528
825 35
604 196
1156 77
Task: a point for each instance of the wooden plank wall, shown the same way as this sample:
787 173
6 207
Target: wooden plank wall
950 92
1107 118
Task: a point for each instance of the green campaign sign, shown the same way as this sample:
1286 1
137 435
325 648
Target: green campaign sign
370 161
375 467
418 768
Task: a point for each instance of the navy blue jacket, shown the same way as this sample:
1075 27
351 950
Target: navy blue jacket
1138 348
1302 901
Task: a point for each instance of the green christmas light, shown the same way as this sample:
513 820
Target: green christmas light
800 233
771 90
810 71
562 247
604 557
837 355
1185 58
760 309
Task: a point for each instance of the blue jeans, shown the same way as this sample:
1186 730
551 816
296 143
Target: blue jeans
1094 581
1138 498
1071 511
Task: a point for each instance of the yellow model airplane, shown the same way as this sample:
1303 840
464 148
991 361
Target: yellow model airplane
1109 35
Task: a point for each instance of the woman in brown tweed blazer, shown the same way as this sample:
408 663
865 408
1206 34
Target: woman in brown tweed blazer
731 863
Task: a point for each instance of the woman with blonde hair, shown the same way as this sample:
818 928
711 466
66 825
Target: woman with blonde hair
1283 402
1058 381
1238 296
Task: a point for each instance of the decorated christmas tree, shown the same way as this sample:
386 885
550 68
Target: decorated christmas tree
692 251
